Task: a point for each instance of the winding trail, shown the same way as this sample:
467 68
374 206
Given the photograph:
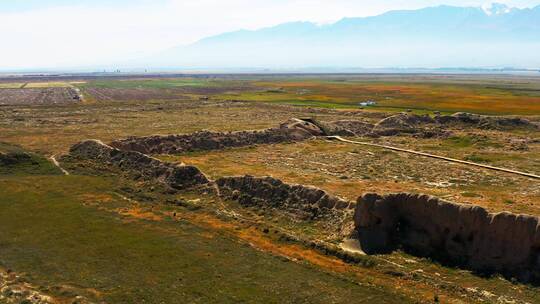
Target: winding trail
453 160
57 164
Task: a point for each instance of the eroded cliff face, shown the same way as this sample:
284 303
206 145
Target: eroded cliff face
460 234
139 165
290 131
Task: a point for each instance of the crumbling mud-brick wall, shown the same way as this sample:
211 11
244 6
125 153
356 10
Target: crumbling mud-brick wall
290 131
461 234
303 202
409 123
139 165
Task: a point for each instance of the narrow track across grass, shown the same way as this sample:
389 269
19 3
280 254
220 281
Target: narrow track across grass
453 160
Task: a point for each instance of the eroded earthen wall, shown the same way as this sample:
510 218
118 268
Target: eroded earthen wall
462 234
293 130
140 165
304 202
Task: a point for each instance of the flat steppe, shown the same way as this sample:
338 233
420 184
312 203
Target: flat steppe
107 238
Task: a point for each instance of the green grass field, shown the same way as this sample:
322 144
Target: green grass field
15 161
64 234
10 85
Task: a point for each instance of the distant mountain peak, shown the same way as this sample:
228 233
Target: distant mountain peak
496 9
436 36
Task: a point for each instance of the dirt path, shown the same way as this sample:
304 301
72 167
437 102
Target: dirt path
55 162
459 161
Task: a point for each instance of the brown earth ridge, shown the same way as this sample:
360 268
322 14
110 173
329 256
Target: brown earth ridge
464 235
303 202
428 126
139 165
302 129
295 130
290 131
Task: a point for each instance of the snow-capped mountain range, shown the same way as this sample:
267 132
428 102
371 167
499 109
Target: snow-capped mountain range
442 36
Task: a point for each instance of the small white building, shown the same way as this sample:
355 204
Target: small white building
367 103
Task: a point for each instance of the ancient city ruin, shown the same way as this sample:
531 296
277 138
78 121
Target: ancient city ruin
463 235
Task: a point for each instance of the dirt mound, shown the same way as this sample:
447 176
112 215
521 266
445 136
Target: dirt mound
427 127
460 234
505 123
404 120
302 202
12 158
401 123
486 122
15 160
138 165
350 128
292 130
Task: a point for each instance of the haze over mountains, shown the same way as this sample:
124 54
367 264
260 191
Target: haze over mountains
443 36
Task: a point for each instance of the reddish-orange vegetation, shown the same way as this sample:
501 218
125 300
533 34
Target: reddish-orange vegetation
297 253
442 97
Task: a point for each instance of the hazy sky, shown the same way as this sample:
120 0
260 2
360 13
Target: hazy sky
59 33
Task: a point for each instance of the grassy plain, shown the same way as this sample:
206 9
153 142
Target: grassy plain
41 85
118 241
484 98
16 161
448 94
78 240
156 83
37 85
7 85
